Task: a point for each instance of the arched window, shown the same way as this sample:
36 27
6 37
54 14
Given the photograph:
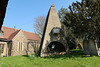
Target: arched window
20 44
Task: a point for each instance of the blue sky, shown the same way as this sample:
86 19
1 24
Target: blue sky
21 13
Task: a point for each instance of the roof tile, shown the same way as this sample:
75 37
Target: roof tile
9 33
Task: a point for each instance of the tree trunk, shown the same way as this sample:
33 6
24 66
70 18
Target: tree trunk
3 5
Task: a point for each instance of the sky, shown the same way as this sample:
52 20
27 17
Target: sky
22 13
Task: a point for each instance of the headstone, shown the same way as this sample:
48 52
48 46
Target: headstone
86 47
90 47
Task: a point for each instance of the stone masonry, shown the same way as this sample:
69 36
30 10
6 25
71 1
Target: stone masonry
52 22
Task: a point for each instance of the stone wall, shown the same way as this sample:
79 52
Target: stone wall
33 46
19 44
22 46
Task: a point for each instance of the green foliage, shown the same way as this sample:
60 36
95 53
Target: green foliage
36 51
71 42
61 13
75 59
83 18
0 51
67 31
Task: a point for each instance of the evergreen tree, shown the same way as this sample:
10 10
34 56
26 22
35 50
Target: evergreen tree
68 34
83 18
61 13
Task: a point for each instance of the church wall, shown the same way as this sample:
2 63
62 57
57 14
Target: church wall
19 44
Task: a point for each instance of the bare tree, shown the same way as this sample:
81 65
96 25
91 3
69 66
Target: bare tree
39 24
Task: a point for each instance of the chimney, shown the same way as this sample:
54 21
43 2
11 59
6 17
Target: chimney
14 28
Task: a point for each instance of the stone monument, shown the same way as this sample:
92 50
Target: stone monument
53 39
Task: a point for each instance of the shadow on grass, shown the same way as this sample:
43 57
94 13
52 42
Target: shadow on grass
75 53
31 56
25 55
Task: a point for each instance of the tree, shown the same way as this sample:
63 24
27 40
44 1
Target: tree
3 5
61 13
68 34
83 21
83 18
39 24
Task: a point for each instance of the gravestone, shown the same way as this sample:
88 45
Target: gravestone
90 47
93 47
86 47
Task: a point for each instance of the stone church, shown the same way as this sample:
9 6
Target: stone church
15 42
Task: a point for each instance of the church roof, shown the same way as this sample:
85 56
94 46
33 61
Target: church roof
10 33
13 35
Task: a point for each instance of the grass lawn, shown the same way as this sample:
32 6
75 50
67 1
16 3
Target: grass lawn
75 59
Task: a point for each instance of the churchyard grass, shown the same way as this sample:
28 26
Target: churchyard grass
76 58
